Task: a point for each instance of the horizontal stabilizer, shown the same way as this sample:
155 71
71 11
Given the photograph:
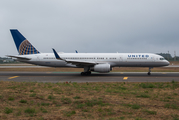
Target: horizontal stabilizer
20 58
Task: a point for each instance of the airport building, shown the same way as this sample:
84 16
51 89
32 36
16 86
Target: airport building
168 56
6 60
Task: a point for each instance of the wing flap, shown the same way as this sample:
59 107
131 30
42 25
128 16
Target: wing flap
83 63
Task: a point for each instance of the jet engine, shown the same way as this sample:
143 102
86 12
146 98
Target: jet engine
102 68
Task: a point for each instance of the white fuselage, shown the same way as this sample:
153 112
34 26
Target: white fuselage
114 59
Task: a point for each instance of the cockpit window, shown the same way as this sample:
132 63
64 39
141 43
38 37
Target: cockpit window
162 58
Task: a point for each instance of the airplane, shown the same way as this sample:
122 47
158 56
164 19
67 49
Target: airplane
91 62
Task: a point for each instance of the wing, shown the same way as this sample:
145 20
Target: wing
75 62
20 58
81 63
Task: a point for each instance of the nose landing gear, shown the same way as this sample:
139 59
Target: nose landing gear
149 70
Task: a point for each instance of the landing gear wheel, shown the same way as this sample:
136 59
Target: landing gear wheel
86 73
89 73
149 73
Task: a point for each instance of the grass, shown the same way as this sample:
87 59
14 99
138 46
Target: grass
94 102
69 113
172 106
45 104
175 117
143 96
23 101
133 106
65 100
29 110
11 98
32 95
31 90
43 110
77 97
147 85
8 110
149 112
111 101
51 97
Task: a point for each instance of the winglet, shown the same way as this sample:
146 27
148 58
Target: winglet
56 54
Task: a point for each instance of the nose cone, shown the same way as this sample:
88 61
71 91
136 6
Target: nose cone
167 63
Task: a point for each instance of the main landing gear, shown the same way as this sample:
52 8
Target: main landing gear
149 70
86 73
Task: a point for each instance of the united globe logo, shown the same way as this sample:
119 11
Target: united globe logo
26 48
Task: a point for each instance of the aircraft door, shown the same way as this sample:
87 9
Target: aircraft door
38 57
153 58
120 58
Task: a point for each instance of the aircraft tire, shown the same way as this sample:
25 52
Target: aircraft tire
85 73
88 73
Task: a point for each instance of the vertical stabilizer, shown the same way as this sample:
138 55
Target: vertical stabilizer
24 47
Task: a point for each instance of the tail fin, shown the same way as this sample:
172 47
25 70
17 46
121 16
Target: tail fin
24 47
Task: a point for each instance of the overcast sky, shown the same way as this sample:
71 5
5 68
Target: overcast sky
104 26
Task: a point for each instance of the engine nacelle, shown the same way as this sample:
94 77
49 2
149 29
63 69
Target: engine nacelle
103 68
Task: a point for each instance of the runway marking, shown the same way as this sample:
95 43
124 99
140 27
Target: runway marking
125 78
13 77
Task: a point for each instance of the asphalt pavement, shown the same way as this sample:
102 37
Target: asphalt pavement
55 77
